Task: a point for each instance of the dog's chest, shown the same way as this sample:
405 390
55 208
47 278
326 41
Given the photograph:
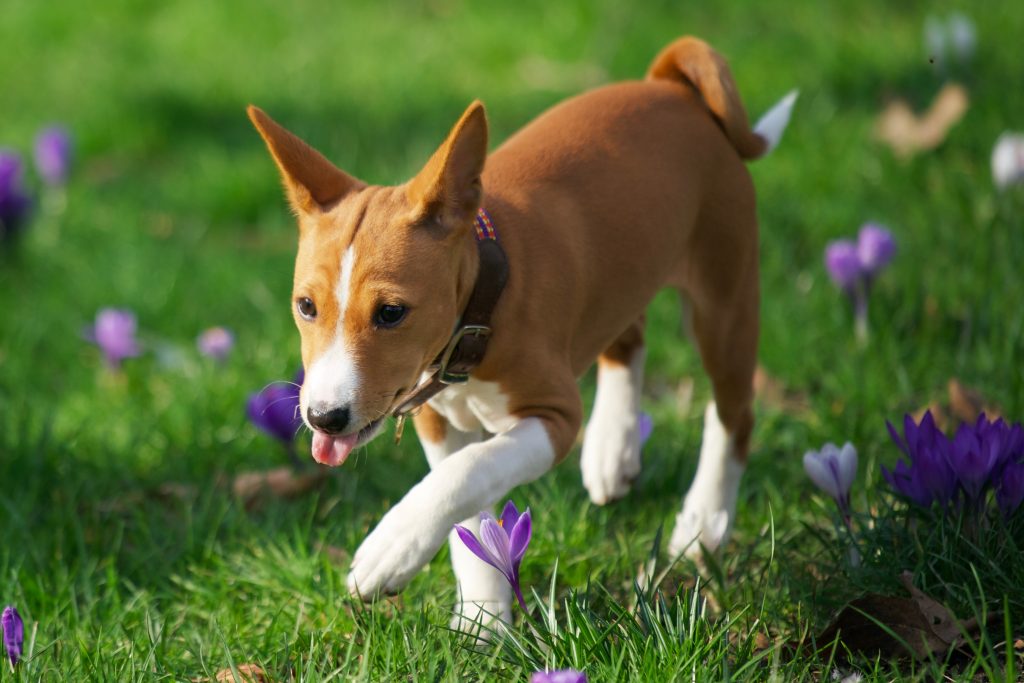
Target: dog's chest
474 405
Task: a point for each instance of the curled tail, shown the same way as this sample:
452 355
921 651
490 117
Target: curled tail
692 61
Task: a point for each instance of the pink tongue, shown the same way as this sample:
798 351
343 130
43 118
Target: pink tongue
332 450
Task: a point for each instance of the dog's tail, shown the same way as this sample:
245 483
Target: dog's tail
692 61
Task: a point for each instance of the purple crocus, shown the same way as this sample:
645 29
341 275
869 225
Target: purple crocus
928 477
875 249
216 343
843 264
275 409
560 676
645 427
983 456
14 201
502 543
833 470
1010 490
114 333
14 633
53 154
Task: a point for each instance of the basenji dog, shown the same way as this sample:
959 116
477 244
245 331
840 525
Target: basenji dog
596 205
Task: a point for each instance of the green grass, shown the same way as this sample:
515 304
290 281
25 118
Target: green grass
175 211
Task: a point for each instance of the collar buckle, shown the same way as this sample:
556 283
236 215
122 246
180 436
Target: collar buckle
448 376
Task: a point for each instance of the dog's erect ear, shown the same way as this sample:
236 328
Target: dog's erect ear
449 185
312 181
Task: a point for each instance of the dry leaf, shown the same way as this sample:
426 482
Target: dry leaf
941 621
336 555
774 394
966 403
883 625
282 482
908 134
247 673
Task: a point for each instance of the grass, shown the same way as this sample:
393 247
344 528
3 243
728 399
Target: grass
175 211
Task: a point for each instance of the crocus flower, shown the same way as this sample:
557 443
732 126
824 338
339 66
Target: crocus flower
53 154
14 633
216 343
502 543
833 470
843 264
1007 160
875 248
275 409
114 333
14 202
560 676
1010 491
645 427
962 36
928 478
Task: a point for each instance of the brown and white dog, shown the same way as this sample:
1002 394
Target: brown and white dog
598 203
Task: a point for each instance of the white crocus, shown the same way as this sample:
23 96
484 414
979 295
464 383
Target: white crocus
1008 160
833 470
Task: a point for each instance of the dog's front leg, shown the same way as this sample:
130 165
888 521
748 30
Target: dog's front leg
483 594
458 487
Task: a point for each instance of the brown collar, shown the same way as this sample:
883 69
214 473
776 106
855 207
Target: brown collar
468 344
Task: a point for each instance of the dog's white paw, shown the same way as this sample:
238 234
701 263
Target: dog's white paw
611 456
404 541
482 620
697 527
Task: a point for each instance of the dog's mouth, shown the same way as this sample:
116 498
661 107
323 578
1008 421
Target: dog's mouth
333 450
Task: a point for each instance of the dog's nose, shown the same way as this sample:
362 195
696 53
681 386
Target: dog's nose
332 421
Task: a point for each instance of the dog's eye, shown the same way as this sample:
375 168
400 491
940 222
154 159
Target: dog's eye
306 308
389 315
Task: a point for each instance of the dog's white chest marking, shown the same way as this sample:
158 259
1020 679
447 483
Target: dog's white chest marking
475 405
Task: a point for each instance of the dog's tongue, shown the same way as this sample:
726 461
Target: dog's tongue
332 450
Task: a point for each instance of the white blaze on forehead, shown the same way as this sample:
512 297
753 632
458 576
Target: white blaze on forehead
333 379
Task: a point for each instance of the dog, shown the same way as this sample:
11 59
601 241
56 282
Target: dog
592 208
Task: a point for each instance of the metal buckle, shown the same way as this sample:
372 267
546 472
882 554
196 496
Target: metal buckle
443 374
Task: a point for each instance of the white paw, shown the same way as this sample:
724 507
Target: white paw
695 528
611 456
404 541
482 620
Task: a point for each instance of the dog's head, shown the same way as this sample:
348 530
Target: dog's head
381 276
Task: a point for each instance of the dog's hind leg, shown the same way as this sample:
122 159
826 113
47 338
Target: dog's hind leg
724 296
483 594
611 443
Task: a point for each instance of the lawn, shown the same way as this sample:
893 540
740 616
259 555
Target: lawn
121 542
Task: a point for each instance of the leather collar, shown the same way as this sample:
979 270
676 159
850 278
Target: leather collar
468 344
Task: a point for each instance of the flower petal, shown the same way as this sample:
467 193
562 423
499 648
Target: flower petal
519 538
847 467
509 516
474 546
817 468
494 539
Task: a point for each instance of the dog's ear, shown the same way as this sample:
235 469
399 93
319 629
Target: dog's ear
313 183
449 186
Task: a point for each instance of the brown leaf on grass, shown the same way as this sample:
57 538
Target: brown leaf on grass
168 492
874 625
966 403
773 393
282 482
336 555
247 673
906 133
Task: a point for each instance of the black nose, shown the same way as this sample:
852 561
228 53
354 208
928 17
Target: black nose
331 421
